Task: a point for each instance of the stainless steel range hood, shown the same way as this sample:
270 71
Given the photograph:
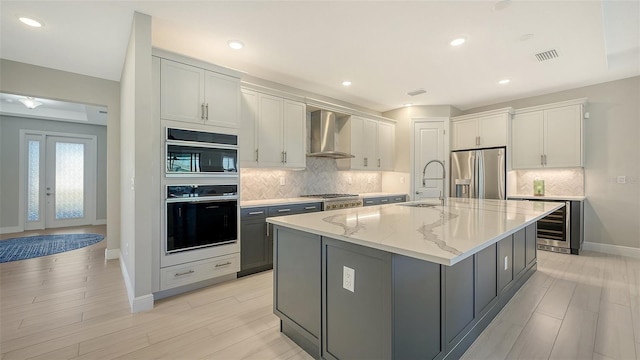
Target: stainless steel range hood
324 136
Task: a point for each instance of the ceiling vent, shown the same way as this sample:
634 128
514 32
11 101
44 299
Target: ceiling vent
416 92
547 55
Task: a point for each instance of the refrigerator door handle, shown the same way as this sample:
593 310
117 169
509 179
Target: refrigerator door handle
480 175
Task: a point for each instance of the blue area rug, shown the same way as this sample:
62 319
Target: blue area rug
43 245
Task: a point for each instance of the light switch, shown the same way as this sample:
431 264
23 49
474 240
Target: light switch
283 182
621 179
348 278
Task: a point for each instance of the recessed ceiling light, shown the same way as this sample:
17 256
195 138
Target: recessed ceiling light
29 21
458 41
235 44
346 83
30 102
504 81
408 104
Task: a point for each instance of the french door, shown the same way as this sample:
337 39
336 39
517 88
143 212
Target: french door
60 180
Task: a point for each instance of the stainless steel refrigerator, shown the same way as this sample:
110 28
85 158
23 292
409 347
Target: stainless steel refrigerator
479 173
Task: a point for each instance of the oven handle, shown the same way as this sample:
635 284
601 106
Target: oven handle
223 198
201 144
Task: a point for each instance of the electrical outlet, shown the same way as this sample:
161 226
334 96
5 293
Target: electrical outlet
283 182
348 278
401 179
368 180
621 179
506 262
349 180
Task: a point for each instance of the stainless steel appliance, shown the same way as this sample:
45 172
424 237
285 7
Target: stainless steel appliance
201 153
479 173
324 136
338 201
554 230
200 216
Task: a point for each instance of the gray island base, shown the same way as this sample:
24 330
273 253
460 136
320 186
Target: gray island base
396 307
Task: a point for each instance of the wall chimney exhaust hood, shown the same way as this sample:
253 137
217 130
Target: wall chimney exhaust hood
323 136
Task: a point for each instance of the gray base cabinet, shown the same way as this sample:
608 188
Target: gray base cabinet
339 300
256 242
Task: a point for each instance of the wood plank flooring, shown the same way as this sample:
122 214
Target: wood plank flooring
74 306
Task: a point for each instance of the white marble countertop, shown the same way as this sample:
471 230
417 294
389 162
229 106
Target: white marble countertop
440 234
300 200
548 197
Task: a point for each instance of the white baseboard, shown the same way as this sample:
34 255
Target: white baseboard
11 229
111 254
612 249
100 222
140 303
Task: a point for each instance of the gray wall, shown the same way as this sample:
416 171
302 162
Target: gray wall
23 79
612 148
9 149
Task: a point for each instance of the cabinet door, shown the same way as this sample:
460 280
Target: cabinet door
386 146
222 99
563 136
294 134
492 130
254 247
505 262
519 252
526 141
464 134
270 134
182 92
357 143
248 129
370 144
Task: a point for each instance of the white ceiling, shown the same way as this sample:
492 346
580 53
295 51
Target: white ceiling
386 48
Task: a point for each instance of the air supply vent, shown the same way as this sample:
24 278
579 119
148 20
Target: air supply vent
416 92
547 55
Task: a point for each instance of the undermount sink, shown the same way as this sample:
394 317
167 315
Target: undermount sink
423 205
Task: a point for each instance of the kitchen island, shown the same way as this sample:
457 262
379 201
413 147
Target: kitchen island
401 281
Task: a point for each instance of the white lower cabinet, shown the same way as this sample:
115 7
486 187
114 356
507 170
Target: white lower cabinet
548 136
184 274
272 131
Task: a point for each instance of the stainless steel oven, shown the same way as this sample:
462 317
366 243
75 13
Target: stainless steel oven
200 216
200 153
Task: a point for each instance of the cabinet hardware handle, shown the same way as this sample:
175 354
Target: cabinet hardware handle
365 161
282 157
545 159
256 155
223 264
369 202
183 273
541 159
207 107
309 207
285 157
202 110
268 226
384 200
256 213
378 162
284 210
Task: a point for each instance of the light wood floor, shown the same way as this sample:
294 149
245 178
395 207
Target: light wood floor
74 306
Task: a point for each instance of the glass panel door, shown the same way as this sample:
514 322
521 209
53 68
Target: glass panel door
35 182
68 181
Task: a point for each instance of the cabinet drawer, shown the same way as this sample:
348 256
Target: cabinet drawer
309 208
254 213
282 210
397 199
184 274
375 201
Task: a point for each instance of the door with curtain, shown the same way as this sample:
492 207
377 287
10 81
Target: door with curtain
60 181
429 142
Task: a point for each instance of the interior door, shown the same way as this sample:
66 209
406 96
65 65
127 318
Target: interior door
429 140
69 181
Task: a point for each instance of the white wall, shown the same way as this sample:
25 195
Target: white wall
612 148
29 80
138 182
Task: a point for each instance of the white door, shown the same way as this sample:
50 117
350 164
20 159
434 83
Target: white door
60 181
429 142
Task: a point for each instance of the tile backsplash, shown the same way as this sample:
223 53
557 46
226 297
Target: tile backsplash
320 176
568 182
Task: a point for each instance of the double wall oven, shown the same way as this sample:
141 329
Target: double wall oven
201 196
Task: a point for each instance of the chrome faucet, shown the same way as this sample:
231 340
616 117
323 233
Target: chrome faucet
444 175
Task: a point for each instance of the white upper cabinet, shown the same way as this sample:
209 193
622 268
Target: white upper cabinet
372 142
248 130
196 95
480 130
548 136
272 131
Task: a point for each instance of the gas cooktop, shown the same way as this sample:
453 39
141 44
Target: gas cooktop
331 196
